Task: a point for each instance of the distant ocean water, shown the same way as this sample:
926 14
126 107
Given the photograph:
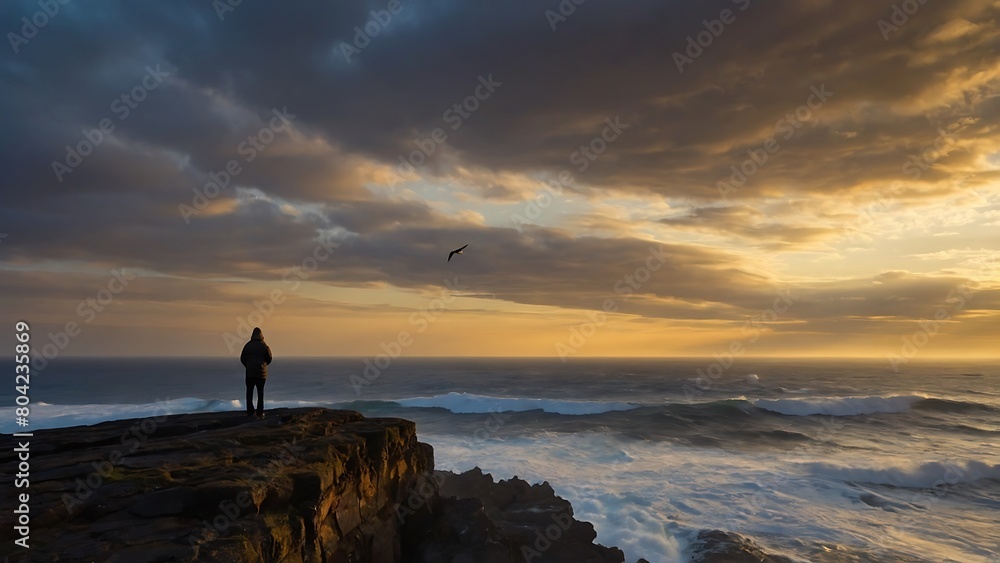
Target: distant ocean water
831 461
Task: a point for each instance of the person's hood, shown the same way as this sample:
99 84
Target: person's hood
257 334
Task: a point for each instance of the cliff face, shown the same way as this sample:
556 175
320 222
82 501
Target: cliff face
309 485
301 485
512 520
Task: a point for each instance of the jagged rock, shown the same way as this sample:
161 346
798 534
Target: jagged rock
302 485
716 546
510 520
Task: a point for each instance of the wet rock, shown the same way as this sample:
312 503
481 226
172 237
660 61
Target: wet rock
716 546
302 485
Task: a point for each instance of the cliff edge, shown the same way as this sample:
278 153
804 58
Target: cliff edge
302 485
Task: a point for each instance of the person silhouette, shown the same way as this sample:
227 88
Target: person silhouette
255 357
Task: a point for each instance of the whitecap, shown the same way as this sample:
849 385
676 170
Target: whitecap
839 406
472 403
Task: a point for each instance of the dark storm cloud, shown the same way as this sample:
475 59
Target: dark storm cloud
604 60
119 207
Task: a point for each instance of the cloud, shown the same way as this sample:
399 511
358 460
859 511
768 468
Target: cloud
753 225
335 166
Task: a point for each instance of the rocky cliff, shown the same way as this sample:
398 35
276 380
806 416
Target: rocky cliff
309 485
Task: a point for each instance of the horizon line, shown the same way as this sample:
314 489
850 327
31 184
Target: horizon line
537 357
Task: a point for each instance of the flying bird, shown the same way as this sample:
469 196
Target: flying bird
454 252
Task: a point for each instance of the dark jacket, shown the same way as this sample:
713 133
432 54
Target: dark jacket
256 355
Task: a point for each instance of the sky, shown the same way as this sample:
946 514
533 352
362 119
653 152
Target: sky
670 178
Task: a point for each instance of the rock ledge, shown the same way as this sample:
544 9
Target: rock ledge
302 485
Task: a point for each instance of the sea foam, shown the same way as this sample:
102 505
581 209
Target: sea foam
471 403
839 406
909 474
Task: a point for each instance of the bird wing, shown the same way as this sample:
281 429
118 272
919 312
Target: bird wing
454 252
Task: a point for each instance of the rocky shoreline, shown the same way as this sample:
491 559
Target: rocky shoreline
302 485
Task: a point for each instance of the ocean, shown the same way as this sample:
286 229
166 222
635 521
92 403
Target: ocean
827 461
